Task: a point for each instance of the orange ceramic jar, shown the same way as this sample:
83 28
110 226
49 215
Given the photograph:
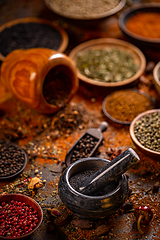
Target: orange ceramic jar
43 79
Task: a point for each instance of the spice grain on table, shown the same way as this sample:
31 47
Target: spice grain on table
47 138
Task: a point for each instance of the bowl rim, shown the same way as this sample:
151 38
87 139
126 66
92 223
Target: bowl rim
63 33
109 42
81 161
133 137
25 160
131 89
155 71
129 12
120 5
12 195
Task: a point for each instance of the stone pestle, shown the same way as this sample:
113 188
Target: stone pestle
109 172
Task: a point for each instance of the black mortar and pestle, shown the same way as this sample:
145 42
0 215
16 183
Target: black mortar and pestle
95 188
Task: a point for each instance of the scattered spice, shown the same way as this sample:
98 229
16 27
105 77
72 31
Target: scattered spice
29 35
106 65
145 24
82 9
82 223
35 183
102 229
125 105
147 131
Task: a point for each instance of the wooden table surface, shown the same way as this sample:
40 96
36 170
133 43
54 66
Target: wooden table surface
38 134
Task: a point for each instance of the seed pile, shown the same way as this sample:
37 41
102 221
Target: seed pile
17 219
77 179
106 65
84 147
147 131
12 159
29 35
82 9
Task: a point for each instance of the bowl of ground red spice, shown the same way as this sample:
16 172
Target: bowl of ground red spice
145 132
123 106
141 24
26 33
108 62
20 216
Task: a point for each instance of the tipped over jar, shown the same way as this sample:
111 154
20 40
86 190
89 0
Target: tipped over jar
43 79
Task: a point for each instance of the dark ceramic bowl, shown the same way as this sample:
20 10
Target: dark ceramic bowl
21 153
138 40
92 207
87 20
145 150
30 202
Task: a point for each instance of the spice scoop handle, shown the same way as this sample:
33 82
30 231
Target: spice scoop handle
103 126
110 172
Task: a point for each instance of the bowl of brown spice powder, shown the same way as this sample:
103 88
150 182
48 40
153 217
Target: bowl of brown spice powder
123 106
141 24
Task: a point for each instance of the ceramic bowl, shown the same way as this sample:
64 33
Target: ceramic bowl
88 20
110 117
156 77
30 202
138 40
145 150
92 207
27 36
21 153
110 43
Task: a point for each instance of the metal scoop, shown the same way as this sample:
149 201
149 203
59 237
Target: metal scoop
111 171
87 144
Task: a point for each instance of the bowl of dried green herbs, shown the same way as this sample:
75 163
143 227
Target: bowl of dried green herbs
145 132
108 62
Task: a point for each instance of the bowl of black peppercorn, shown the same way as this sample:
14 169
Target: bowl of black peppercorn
13 159
145 133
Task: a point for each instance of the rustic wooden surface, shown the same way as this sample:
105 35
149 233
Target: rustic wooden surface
25 127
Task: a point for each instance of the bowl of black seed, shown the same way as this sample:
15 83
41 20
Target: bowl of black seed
26 33
96 205
145 132
13 160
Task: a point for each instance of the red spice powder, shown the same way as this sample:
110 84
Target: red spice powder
145 24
